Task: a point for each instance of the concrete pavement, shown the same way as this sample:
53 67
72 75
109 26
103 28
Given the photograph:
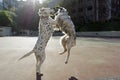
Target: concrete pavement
91 59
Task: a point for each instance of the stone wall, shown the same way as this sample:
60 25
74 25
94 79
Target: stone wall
5 31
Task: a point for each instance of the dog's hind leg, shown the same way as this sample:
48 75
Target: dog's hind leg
69 46
68 55
63 43
40 57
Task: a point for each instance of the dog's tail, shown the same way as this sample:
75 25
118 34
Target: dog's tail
26 55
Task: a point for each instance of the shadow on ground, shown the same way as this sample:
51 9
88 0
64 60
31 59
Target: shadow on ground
72 78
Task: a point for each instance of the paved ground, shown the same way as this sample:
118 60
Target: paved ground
91 59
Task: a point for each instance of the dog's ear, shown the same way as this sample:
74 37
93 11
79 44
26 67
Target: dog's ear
42 9
58 7
55 8
61 8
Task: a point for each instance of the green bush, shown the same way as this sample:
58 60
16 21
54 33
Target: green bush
6 18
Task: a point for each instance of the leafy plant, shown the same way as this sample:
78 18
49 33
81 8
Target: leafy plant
6 18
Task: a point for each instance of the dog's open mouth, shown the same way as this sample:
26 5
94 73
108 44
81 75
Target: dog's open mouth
52 12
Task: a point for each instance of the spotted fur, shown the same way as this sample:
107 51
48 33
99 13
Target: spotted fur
45 32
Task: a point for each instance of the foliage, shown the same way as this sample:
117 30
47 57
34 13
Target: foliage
6 18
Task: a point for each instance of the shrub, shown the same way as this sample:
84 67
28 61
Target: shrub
6 18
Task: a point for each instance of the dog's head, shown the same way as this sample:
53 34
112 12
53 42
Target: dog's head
62 10
46 12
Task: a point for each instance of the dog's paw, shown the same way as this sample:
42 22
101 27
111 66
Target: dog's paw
41 74
73 78
61 53
66 62
38 76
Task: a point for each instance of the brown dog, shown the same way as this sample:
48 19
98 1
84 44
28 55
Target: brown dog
65 24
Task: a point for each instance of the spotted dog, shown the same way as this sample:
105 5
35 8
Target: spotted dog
45 31
65 24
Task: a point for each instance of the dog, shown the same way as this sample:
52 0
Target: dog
65 24
45 32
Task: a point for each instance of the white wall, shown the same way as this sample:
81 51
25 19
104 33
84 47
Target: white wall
5 31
